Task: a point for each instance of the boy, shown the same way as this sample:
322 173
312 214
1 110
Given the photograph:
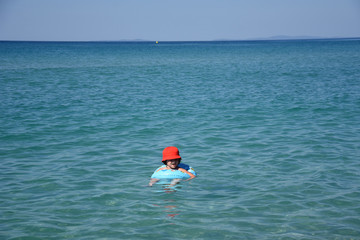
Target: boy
171 159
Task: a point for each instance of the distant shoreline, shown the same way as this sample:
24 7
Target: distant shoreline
273 39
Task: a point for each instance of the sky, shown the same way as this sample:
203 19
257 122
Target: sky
176 20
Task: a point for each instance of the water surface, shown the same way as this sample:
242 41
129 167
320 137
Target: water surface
271 127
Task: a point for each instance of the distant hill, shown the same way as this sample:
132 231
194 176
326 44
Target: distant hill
278 37
285 37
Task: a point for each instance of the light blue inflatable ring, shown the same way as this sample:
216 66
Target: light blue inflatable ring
171 174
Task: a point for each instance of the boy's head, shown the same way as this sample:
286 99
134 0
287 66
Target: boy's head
171 153
173 163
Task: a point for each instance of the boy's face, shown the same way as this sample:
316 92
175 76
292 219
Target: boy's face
172 163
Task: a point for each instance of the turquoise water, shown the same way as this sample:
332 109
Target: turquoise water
271 127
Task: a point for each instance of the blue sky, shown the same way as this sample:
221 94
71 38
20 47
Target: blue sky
176 20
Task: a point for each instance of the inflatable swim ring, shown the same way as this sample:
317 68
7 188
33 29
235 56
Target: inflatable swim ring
170 174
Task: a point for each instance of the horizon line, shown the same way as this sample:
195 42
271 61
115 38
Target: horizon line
275 38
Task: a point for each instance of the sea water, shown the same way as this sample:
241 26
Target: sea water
271 127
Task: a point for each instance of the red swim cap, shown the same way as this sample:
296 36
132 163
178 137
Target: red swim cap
170 153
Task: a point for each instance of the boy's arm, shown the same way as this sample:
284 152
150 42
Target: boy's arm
187 172
153 181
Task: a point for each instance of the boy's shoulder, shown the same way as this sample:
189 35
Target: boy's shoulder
160 168
184 166
181 165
